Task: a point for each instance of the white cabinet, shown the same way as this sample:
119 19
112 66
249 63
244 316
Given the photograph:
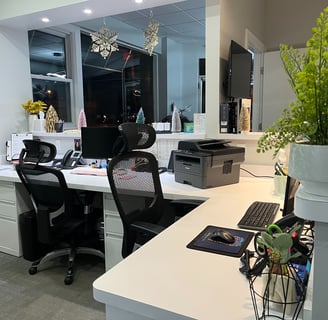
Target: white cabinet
13 201
113 231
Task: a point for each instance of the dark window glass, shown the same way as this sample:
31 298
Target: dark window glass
47 54
54 93
116 87
49 72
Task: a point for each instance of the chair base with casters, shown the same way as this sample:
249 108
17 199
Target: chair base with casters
71 253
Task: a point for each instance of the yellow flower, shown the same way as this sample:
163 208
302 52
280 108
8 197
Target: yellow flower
34 107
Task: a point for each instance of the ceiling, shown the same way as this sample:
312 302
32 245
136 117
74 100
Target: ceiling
183 22
177 18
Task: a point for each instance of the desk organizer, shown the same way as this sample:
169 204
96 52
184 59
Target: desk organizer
279 293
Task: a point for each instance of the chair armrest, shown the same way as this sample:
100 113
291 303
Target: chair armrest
150 228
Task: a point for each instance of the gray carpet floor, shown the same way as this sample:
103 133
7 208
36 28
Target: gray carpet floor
44 296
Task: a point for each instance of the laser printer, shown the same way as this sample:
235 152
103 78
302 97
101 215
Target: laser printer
207 163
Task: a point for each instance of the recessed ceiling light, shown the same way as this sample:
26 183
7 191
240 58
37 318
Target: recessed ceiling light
138 1
87 11
45 20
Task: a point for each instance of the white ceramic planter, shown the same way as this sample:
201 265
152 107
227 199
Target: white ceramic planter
30 119
308 163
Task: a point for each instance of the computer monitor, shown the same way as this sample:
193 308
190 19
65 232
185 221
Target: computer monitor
291 188
99 142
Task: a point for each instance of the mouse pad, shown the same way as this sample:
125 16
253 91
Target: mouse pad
204 242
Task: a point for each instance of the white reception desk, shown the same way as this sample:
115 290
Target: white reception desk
164 280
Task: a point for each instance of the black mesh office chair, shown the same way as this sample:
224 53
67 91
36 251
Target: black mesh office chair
135 184
60 221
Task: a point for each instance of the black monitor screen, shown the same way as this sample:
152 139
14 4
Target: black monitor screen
239 71
98 142
291 188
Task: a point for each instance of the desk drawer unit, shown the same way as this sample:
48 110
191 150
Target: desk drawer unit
13 201
113 232
9 231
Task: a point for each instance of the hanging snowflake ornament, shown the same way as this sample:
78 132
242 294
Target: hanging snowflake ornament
104 41
151 38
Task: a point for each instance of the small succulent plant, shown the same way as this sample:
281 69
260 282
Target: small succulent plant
279 247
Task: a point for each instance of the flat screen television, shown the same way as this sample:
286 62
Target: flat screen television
239 68
99 142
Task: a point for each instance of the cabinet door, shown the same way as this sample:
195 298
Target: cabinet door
113 231
9 231
9 237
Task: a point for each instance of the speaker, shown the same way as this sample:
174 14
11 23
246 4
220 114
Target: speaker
229 117
201 66
170 166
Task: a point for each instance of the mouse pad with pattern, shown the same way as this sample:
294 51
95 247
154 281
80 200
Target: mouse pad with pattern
203 242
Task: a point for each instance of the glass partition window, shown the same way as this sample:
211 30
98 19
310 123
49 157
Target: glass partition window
115 88
51 81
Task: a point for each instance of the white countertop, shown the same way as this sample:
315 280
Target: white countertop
164 277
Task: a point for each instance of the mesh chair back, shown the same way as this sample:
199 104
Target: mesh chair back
36 151
137 135
48 192
46 186
135 185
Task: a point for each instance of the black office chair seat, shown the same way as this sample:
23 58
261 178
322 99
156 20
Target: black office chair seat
61 222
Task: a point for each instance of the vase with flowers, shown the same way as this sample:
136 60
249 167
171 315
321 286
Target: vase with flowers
33 109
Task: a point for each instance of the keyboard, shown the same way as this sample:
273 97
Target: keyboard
259 215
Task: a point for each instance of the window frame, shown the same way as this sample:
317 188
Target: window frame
69 34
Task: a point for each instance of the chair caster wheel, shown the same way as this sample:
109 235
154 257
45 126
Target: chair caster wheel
33 270
68 279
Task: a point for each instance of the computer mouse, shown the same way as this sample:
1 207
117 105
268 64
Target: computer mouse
222 236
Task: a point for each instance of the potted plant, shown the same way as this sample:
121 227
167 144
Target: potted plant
306 119
304 125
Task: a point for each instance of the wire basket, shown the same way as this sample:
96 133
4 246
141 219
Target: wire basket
279 292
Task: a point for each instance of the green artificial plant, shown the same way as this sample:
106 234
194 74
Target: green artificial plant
306 119
279 247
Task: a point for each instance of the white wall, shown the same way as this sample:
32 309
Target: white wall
236 17
182 75
14 8
226 20
290 21
15 83
191 55
174 73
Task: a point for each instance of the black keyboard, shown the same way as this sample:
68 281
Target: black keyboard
259 215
